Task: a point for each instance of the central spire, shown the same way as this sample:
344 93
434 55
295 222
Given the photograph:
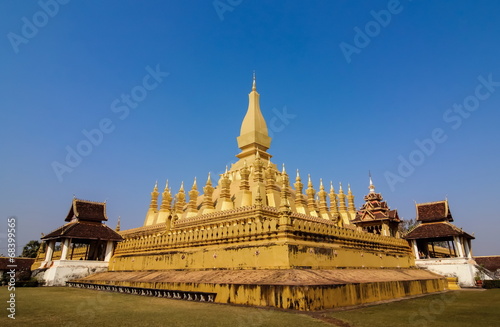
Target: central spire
253 134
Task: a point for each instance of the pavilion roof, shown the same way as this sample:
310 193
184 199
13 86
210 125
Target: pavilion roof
84 230
84 210
434 211
440 229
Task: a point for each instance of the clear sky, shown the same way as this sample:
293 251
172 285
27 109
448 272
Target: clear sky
409 90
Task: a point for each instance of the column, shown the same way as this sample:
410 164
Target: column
415 249
385 230
109 251
468 253
50 250
65 248
459 246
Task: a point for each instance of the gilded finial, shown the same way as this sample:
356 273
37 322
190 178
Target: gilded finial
254 87
182 186
118 225
321 187
283 171
371 187
209 180
194 185
309 182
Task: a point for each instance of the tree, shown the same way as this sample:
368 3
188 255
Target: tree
30 250
407 225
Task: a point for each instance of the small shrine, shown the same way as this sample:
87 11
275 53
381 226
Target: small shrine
376 217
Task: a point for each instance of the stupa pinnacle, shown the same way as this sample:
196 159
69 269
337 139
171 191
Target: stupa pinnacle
254 136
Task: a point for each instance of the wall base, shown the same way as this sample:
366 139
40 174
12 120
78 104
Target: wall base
297 289
58 272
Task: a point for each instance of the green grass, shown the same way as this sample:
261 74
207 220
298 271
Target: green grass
459 308
60 306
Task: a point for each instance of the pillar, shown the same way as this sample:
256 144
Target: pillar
415 249
385 230
65 248
468 253
109 251
459 246
50 250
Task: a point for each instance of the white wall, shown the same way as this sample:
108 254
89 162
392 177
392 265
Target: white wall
462 268
61 271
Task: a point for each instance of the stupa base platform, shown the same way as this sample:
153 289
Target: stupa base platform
299 289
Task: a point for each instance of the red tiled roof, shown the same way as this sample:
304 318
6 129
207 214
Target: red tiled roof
87 210
374 209
436 230
84 230
21 263
492 263
434 211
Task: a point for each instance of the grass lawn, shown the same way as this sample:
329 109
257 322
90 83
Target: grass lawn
459 308
61 306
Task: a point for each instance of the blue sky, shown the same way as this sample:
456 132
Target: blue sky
417 72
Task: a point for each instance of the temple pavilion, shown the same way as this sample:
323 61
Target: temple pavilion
440 246
85 242
256 236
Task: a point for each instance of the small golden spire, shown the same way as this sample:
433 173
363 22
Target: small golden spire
350 200
311 193
207 194
180 199
193 197
322 204
341 196
154 197
166 198
333 201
